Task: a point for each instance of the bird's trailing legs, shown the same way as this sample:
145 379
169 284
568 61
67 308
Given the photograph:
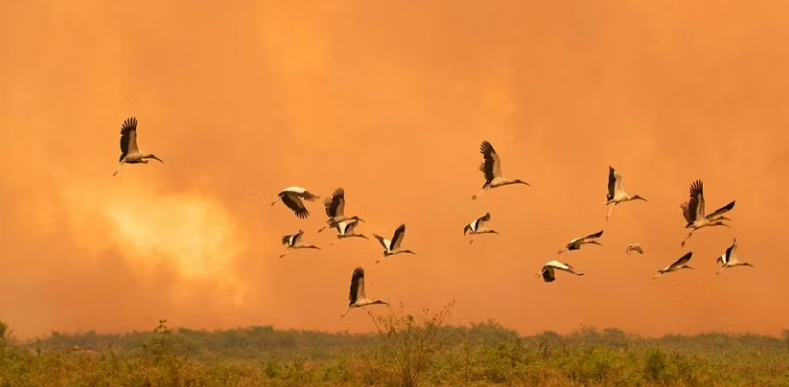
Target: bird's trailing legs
610 211
478 194
119 168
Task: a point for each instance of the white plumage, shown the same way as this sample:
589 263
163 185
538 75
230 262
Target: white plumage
478 227
357 297
548 274
576 243
730 259
491 169
392 247
292 198
616 194
294 241
130 153
694 213
680 264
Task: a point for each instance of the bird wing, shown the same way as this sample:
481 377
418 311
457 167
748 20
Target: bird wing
306 195
467 228
696 203
482 220
128 137
397 239
682 261
286 239
357 286
731 252
491 165
612 183
721 211
335 206
297 238
384 242
559 265
548 275
686 212
292 201
350 226
341 227
595 235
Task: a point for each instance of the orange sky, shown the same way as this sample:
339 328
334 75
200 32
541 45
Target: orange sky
244 98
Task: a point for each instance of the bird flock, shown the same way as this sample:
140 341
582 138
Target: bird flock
294 198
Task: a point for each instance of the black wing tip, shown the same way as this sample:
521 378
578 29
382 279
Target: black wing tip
339 192
358 272
687 255
598 234
401 227
130 123
302 214
486 147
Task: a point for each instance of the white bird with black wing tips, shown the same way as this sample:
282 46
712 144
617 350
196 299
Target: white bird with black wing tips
730 259
694 214
478 227
345 230
292 197
392 247
335 209
680 264
576 243
130 153
294 241
616 194
491 168
357 297
548 274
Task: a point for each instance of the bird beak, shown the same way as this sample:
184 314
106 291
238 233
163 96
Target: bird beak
157 159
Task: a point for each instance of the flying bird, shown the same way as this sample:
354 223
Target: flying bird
548 274
681 263
616 194
335 209
729 258
634 247
392 247
293 198
576 243
491 168
694 214
357 297
477 227
294 241
345 230
130 154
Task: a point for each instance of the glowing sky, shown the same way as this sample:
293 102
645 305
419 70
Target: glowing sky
389 100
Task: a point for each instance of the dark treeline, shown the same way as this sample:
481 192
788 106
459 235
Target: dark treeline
405 350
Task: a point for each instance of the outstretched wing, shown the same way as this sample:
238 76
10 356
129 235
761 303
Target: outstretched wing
335 206
686 212
548 275
306 195
696 203
612 183
595 235
128 137
357 286
491 164
397 239
482 220
349 227
731 252
293 202
721 211
286 239
297 238
384 242
682 261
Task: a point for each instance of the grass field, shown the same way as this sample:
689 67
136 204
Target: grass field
406 351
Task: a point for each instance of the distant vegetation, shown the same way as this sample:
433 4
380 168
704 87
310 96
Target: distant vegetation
407 350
